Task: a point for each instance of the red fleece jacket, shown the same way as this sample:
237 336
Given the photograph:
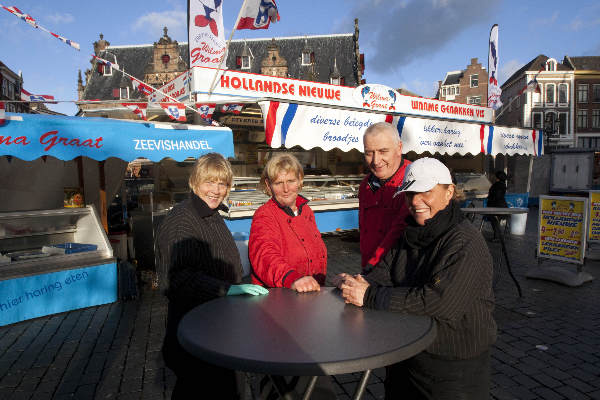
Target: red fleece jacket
283 248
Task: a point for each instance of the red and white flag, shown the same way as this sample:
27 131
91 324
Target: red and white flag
234 108
175 111
141 86
26 96
2 115
138 109
206 110
532 85
258 14
206 36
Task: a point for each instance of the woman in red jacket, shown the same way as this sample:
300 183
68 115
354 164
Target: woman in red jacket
285 246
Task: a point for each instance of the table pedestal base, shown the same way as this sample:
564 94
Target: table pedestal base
559 275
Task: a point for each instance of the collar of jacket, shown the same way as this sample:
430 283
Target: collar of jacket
375 183
418 237
300 202
203 209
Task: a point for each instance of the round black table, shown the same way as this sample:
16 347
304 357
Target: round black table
301 334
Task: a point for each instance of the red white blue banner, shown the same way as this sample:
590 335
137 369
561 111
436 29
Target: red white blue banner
258 14
494 91
290 124
206 110
30 136
26 96
237 85
206 36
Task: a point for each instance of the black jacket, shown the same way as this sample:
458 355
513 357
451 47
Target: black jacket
496 195
197 261
443 270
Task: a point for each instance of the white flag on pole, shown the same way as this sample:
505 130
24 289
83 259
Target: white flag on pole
494 90
205 33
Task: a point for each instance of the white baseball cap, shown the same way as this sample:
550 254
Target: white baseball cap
423 174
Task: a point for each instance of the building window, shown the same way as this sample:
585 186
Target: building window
582 118
562 123
124 93
444 92
518 101
452 91
458 90
106 70
550 65
596 93
306 58
596 118
4 86
245 62
550 93
474 100
537 120
582 93
563 91
475 81
334 81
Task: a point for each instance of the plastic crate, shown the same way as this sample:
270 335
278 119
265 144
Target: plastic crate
71 248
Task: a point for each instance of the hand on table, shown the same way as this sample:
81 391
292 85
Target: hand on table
339 279
353 289
306 284
254 290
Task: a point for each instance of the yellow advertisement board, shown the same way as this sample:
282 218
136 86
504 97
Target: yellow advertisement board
563 228
594 217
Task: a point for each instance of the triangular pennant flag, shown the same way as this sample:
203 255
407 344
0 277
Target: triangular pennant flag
137 108
234 108
2 115
206 110
141 86
175 111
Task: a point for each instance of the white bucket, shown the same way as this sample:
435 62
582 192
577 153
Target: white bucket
241 241
518 222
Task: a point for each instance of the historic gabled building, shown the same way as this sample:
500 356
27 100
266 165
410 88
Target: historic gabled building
10 89
332 59
468 86
553 101
586 71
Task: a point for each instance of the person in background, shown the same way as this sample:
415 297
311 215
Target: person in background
441 268
497 191
197 261
381 215
285 247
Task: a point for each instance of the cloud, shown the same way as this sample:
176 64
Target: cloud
508 68
544 21
58 19
176 21
402 32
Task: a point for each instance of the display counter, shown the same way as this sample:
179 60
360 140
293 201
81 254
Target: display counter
53 261
334 199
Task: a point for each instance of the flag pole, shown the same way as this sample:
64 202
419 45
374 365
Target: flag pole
237 21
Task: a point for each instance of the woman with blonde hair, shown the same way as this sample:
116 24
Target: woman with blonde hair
197 261
285 247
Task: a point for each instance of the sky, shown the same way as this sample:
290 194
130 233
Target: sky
408 44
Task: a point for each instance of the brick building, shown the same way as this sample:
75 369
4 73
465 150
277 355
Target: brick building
586 84
10 89
468 86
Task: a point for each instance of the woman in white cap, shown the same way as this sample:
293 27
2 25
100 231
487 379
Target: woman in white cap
440 268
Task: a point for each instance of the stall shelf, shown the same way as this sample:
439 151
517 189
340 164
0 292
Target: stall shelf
53 261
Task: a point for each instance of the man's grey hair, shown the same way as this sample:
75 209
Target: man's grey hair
385 128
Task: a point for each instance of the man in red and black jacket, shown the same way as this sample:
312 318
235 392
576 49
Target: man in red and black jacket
381 216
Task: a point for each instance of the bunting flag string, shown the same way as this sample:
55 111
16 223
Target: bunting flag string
175 111
28 97
145 89
138 109
235 108
33 23
206 110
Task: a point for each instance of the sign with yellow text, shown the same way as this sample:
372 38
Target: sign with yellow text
594 216
563 228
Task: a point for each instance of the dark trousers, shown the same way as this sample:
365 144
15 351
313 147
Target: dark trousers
427 377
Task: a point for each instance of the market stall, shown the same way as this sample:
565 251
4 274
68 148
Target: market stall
54 259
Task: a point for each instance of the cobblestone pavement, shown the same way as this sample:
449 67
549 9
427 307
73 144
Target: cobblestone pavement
548 345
